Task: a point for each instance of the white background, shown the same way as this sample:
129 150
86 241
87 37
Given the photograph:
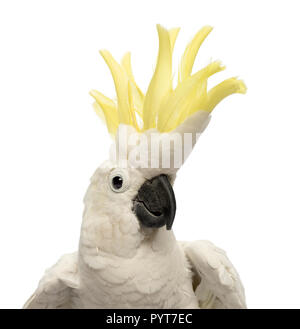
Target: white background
241 186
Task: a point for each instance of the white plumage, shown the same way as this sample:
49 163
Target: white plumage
195 275
121 264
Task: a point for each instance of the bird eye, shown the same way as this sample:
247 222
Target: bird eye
119 181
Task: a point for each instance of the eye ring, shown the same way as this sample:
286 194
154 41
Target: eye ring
118 181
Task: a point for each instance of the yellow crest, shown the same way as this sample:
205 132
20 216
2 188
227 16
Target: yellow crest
163 107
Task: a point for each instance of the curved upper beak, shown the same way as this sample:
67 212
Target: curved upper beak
155 204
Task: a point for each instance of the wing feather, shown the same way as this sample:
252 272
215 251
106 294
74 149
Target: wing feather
58 286
220 285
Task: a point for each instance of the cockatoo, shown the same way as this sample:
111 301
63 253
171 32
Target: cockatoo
128 255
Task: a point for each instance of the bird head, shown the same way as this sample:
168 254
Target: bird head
154 132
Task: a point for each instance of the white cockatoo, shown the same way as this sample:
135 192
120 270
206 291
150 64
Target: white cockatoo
128 255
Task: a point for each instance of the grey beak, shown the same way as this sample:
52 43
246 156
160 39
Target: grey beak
155 204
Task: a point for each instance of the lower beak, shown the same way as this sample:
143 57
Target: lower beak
155 204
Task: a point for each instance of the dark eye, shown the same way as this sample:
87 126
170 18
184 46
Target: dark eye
117 182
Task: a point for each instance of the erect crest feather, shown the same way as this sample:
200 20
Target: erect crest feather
163 107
